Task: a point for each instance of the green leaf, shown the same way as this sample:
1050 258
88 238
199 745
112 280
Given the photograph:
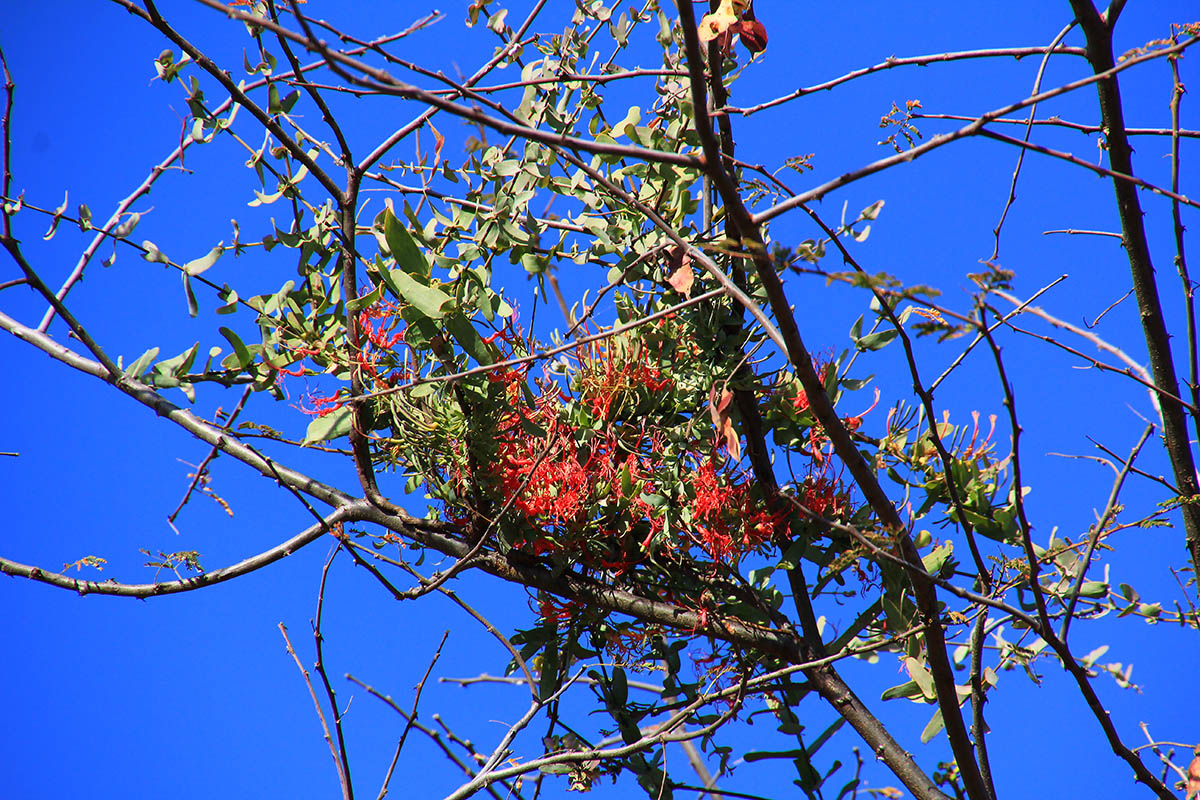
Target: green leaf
854 384
920 675
935 559
877 340
496 21
1090 659
264 199
243 355
626 481
548 676
825 735
909 689
791 557
506 168
369 299
178 364
198 265
230 297
467 337
856 329
333 425
153 254
631 118
619 687
402 247
58 212
126 227
289 100
428 300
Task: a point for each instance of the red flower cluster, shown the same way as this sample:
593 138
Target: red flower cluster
613 371
824 497
730 522
569 494
608 492
818 440
381 329
380 326
316 405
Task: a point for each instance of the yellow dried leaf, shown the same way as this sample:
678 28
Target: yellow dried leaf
714 24
681 280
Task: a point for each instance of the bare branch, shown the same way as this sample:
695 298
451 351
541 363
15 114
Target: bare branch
919 61
1158 341
968 130
343 774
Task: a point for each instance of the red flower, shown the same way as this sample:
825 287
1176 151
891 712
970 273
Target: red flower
319 406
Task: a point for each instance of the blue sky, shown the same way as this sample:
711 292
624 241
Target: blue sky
189 693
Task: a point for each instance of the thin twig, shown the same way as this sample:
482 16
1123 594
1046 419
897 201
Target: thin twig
1110 512
1150 310
972 129
212 454
1056 122
343 778
891 63
10 88
1189 288
1116 175
1012 188
319 666
412 716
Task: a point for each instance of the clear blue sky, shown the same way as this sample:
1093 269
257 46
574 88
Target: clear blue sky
193 695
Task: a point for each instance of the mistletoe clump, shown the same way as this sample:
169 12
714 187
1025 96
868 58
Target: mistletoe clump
595 458
597 463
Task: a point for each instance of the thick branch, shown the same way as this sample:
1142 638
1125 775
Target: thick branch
862 472
144 590
181 417
1154 327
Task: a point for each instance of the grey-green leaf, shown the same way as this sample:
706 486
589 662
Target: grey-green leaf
196 266
58 212
136 369
126 227
468 338
936 723
331 426
192 306
908 689
153 254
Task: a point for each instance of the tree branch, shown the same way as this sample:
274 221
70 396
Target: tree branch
967 130
1154 328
